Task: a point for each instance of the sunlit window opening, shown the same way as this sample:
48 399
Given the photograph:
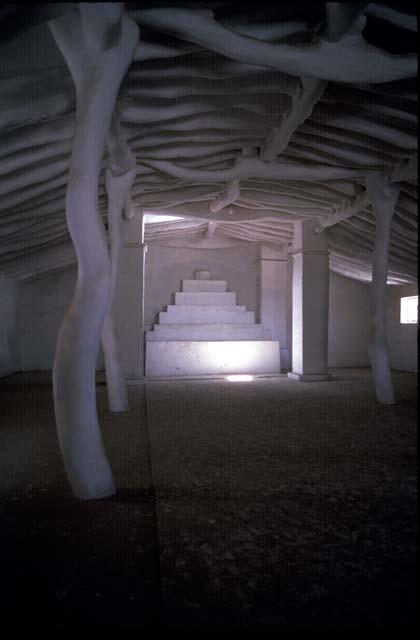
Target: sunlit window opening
409 307
152 218
239 378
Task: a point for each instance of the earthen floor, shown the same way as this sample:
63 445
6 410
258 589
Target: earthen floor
266 503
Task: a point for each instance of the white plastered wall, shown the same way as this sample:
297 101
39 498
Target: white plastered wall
42 302
273 291
348 322
402 338
167 266
9 334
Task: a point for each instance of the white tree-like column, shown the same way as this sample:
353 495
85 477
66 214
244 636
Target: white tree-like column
119 179
118 188
97 42
383 196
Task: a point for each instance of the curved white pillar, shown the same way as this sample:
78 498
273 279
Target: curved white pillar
119 179
383 196
118 188
98 43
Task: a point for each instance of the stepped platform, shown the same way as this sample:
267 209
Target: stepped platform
206 332
203 331
216 314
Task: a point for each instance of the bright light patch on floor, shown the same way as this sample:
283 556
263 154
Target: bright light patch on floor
409 310
239 378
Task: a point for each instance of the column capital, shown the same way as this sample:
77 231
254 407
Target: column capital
272 253
306 239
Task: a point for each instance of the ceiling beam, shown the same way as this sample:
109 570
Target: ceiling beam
226 197
358 205
211 228
303 102
340 17
351 59
407 170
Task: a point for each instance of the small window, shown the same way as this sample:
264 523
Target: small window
409 310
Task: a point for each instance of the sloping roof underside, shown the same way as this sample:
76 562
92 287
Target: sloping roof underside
188 109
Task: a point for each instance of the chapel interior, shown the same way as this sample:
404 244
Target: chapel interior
208 314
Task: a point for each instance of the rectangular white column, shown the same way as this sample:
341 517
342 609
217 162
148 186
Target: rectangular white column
130 297
272 298
310 297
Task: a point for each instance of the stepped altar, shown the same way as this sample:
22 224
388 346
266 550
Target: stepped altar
205 332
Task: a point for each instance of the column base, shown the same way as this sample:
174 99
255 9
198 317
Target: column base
309 377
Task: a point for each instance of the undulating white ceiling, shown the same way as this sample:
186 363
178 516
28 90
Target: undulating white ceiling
244 119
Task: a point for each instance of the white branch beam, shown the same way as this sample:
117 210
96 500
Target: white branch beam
356 207
256 168
226 197
389 14
211 228
340 16
302 104
351 59
407 170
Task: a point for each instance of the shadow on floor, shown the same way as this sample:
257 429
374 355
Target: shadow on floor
271 504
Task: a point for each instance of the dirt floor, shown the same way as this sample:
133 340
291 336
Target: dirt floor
267 503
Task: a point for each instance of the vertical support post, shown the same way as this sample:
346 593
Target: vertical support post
98 43
119 179
310 300
130 297
118 188
383 196
272 303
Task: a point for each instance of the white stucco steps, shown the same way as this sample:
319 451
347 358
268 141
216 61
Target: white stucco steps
199 332
189 286
210 357
191 314
206 298
206 332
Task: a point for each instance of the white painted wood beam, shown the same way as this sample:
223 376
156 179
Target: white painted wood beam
340 18
256 168
399 18
226 197
407 170
328 221
210 229
351 59
303 101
